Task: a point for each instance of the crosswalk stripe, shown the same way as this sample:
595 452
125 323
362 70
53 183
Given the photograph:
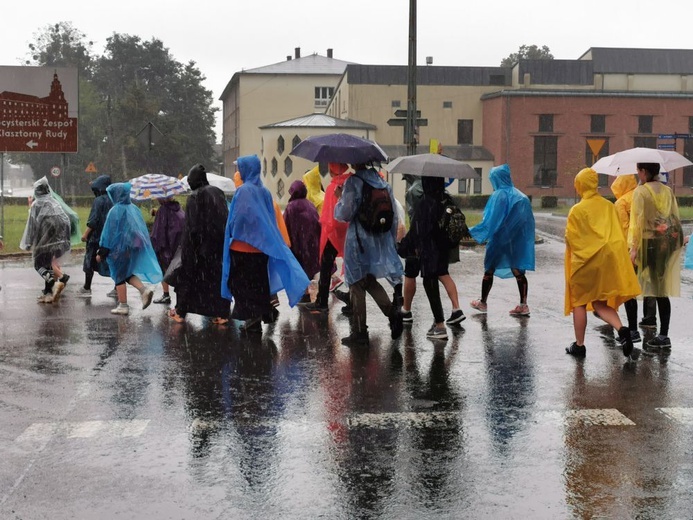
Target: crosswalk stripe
40 432
599 417
681 415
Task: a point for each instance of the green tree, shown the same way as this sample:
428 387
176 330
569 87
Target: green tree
527 52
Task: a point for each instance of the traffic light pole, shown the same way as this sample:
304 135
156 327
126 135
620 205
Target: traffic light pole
410 129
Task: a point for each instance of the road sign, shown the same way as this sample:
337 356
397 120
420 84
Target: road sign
666 146
403 122
91 168
403 113
596 145
55 171
44 109
666 136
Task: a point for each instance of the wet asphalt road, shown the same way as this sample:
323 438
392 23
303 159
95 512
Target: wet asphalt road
137 417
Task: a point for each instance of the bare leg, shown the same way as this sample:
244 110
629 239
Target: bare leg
58 272
608 314
451 289
165 287
408 292
580 324
122 293
136 283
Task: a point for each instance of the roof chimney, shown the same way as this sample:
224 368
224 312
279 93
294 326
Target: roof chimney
329 53
297 52
288 57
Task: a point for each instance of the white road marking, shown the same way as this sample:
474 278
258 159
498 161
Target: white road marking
398 419
599 417
681 415
39 433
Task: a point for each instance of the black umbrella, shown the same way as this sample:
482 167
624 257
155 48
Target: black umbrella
339 148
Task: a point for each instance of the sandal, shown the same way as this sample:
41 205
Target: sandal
175 317
219 321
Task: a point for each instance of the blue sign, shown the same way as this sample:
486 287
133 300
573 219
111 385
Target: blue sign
666 136
666 146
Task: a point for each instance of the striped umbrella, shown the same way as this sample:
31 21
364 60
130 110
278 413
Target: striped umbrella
155 186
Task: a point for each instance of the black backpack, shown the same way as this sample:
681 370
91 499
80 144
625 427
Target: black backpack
452 222
375 213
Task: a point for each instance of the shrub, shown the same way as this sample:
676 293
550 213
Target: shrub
549 201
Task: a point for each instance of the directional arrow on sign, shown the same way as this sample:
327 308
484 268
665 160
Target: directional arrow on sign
32 144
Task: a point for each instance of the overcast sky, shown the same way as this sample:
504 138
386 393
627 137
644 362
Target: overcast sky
224 37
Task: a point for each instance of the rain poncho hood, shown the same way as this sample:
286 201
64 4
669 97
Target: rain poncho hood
99 185
314 185
126 237
48 227
303 224
252 220
197 177
507 227
597 263
379 255
333 230
623 188
277 211
659 268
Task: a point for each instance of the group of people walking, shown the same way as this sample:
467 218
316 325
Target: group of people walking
215 254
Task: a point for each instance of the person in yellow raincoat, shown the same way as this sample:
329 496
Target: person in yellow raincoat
655 239
598 272
313 183
623 188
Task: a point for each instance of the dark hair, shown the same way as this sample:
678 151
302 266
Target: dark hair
651 170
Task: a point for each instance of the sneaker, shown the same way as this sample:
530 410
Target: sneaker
407 317
659 342
455 318
45 298
520 310
335 283
57 290
347 310
342 296
396 324
84 293
625 340
579 351
64 278
650 322
147 296
356 339
437 332
479 306
315 307
112 293
122 309
165 299
634 336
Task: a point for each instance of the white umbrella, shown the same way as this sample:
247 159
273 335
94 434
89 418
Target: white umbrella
431 165
624 163
155 186
223 183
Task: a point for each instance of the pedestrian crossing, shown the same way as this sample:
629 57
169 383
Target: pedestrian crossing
40 433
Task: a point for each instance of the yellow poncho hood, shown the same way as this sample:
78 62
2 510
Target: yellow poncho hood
597 263
623 188
314 185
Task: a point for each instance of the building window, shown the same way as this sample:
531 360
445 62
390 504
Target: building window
597 123
465 131
688 154
396 103
645 142
273 171
496 79
477 182
447 104
546 122
462 186
590 158
288 166
280 145
295 141
280 189
645 124
545 160
323 96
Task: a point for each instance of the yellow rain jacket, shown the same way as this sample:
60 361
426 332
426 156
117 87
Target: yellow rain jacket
659 268
623 188
597 264
314 185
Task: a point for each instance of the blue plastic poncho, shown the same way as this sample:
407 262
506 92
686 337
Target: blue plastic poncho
252 220
688 259
126 237
507 227
379 255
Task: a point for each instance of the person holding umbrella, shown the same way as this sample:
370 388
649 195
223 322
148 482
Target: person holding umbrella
655 238
368 255
169 221
507 229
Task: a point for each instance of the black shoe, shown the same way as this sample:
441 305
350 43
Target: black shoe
396 324
650 322
342 296
625 340
347 310
407 317
316 307
252 326
356 339
274 301
64 278
659 342
456 317
165 299
579 351
272 316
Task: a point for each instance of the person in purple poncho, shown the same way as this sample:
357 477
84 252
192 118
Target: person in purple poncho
166 235
303 224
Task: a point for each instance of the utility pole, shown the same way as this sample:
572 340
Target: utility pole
410 129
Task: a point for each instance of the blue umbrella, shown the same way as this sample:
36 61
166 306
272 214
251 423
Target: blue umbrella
339 148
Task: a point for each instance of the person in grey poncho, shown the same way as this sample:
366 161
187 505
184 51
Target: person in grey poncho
47 236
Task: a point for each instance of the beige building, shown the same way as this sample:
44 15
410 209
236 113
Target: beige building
262 96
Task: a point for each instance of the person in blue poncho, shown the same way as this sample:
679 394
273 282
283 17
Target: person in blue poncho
507 229
368 256
126 247
257 261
